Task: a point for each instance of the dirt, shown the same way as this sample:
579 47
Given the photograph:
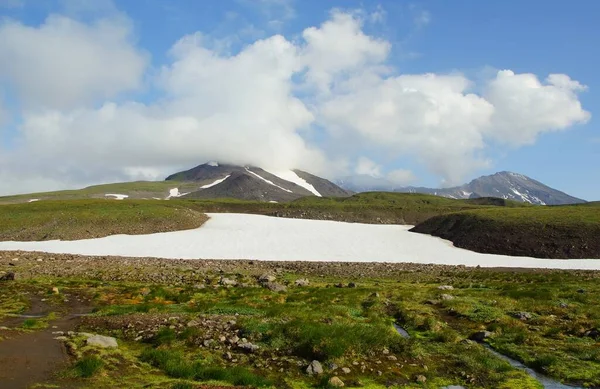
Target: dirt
489 237
32 357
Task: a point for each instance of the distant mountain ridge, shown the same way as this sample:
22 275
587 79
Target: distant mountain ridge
217 180
506 185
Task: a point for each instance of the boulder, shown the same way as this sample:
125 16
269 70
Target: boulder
314 368
267 278
521 315
336 382
102 341
447 297
593 333
301 282
10 276
480 336
345 370
248 347
275 287
421 379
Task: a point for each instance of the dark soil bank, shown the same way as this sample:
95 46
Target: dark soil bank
492 236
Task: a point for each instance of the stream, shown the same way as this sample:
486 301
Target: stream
547 382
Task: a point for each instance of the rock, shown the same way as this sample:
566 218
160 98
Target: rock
580 290
593 333
351 285
10 276
267 278
275 287
227 282
522 315
193 323
421 379
314 368
445 287
447 297
301 282
228 356
102 341
336 382
248 347
234 339
207 342
563 305
480 336
55 290
332 366
345 370
339 285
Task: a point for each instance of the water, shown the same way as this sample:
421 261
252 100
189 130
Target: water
547 382
403 333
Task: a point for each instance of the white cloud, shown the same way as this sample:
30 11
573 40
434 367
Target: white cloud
64 63
526 108
365 166
258 106
339 47
401 177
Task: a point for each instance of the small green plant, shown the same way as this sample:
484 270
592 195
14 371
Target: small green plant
88 366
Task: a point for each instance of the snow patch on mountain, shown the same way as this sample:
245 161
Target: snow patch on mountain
267 181
116 196
213 163
217 182
291 176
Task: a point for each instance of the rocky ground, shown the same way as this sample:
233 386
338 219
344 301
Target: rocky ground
158 323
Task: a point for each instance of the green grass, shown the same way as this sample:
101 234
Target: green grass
88 366
81 219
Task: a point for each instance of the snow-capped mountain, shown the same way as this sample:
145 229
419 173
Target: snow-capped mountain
506 185
253 183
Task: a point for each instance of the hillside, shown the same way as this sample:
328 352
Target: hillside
505 185
542 232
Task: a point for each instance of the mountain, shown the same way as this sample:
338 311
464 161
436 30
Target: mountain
216 180
506 185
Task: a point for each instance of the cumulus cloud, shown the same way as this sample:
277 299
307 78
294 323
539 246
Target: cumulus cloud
262 105
526 108
65 63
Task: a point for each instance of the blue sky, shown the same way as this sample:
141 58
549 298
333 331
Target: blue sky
405 91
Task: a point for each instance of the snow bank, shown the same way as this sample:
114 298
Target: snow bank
291 176
33 200
217 182
241 236
173 193
268 182
116 196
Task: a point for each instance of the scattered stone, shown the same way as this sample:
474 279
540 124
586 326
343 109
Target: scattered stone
55 290
248 347
207 342
234 339
480 336
275 287
336 382
314 368
374 295
301 282
447 297
227 282
421 379
345 370
563 305
102 341
351 285
332 366
445 287
10 276
339 285
228 356
593 333
522 315
193 323
267 278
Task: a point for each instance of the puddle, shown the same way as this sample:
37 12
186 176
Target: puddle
403 333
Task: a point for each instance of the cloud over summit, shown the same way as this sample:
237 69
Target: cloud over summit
278 102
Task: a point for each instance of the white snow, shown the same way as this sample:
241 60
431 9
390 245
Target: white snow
255 237
213 163
217 182
116 196
267 181
33 200
291 176
174 193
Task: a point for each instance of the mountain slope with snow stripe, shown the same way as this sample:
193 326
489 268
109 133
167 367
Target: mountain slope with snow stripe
217 182
291 176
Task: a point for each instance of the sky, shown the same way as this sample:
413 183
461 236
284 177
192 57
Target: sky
424 93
